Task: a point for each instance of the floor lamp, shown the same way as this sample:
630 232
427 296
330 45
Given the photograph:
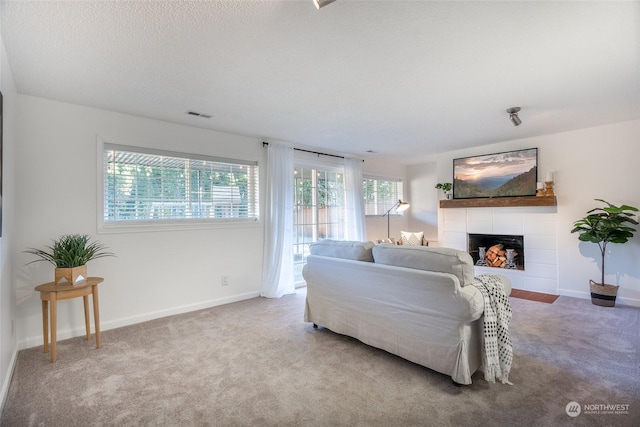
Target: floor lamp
401 207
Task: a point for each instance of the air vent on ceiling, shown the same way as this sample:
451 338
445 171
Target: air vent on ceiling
196 114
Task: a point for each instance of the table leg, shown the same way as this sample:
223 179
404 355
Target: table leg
86 316
96 314
45 324
54 325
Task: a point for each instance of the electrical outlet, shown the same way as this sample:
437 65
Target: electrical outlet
224 280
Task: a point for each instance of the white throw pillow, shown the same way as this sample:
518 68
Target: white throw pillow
410 238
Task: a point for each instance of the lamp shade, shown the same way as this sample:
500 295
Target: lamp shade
402 206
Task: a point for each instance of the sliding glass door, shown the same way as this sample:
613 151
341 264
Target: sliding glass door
319 210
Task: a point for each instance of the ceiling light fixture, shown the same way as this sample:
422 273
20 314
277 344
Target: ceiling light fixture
322 3
513 115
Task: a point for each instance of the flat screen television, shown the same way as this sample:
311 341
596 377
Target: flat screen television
506 174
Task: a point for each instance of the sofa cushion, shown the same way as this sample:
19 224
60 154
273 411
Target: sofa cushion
359 251
445 260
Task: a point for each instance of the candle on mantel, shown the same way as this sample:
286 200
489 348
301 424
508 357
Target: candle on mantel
549 177
539 185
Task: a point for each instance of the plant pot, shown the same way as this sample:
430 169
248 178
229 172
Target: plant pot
602 294
71 276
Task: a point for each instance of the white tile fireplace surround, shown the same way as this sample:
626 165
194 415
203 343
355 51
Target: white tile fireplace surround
536 224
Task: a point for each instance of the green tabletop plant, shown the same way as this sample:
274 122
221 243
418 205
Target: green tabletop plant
70 251
446 187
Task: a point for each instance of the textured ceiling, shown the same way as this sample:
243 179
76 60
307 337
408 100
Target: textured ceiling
406 79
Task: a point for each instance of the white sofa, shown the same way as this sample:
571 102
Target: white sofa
413 301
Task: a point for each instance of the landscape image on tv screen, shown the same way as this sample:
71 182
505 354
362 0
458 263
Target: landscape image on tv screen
513 173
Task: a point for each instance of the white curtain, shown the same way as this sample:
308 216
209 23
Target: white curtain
277 264
354 221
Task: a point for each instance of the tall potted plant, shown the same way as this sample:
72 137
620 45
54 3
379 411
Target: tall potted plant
69 255
603 225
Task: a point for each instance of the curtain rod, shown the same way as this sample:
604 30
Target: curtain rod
312 152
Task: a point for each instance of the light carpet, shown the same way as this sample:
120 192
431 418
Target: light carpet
256 363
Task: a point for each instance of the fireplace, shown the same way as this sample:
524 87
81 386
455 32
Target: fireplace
538 226
497 250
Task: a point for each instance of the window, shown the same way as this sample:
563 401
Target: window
380 195
318 211
151 186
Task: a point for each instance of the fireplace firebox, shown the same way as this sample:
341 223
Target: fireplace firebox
497 250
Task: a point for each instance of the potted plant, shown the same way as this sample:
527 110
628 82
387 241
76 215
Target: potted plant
603 225
69 255
445 187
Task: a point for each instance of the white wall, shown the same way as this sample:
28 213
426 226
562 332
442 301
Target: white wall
155 273
8 342
424 199
599 162
595 163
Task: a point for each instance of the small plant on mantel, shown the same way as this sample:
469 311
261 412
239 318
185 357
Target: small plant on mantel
445 187
603 225
69 254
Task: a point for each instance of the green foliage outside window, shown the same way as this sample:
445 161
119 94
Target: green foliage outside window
141 186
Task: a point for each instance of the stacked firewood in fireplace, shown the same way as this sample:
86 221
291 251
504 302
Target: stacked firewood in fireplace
496 256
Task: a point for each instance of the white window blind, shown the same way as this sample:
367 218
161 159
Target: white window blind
380 195
153 185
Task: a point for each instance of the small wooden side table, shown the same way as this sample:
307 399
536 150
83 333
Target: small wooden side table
50 292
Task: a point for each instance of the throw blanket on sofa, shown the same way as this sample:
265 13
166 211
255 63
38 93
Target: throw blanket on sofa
497 352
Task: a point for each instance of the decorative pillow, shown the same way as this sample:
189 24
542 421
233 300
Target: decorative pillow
445 260
410 238
359 251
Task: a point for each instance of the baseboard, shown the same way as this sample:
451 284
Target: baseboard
118 323
574 294
7 379
633 302
173 311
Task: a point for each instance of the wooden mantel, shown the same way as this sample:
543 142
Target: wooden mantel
499 202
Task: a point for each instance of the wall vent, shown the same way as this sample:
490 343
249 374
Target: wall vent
196 114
